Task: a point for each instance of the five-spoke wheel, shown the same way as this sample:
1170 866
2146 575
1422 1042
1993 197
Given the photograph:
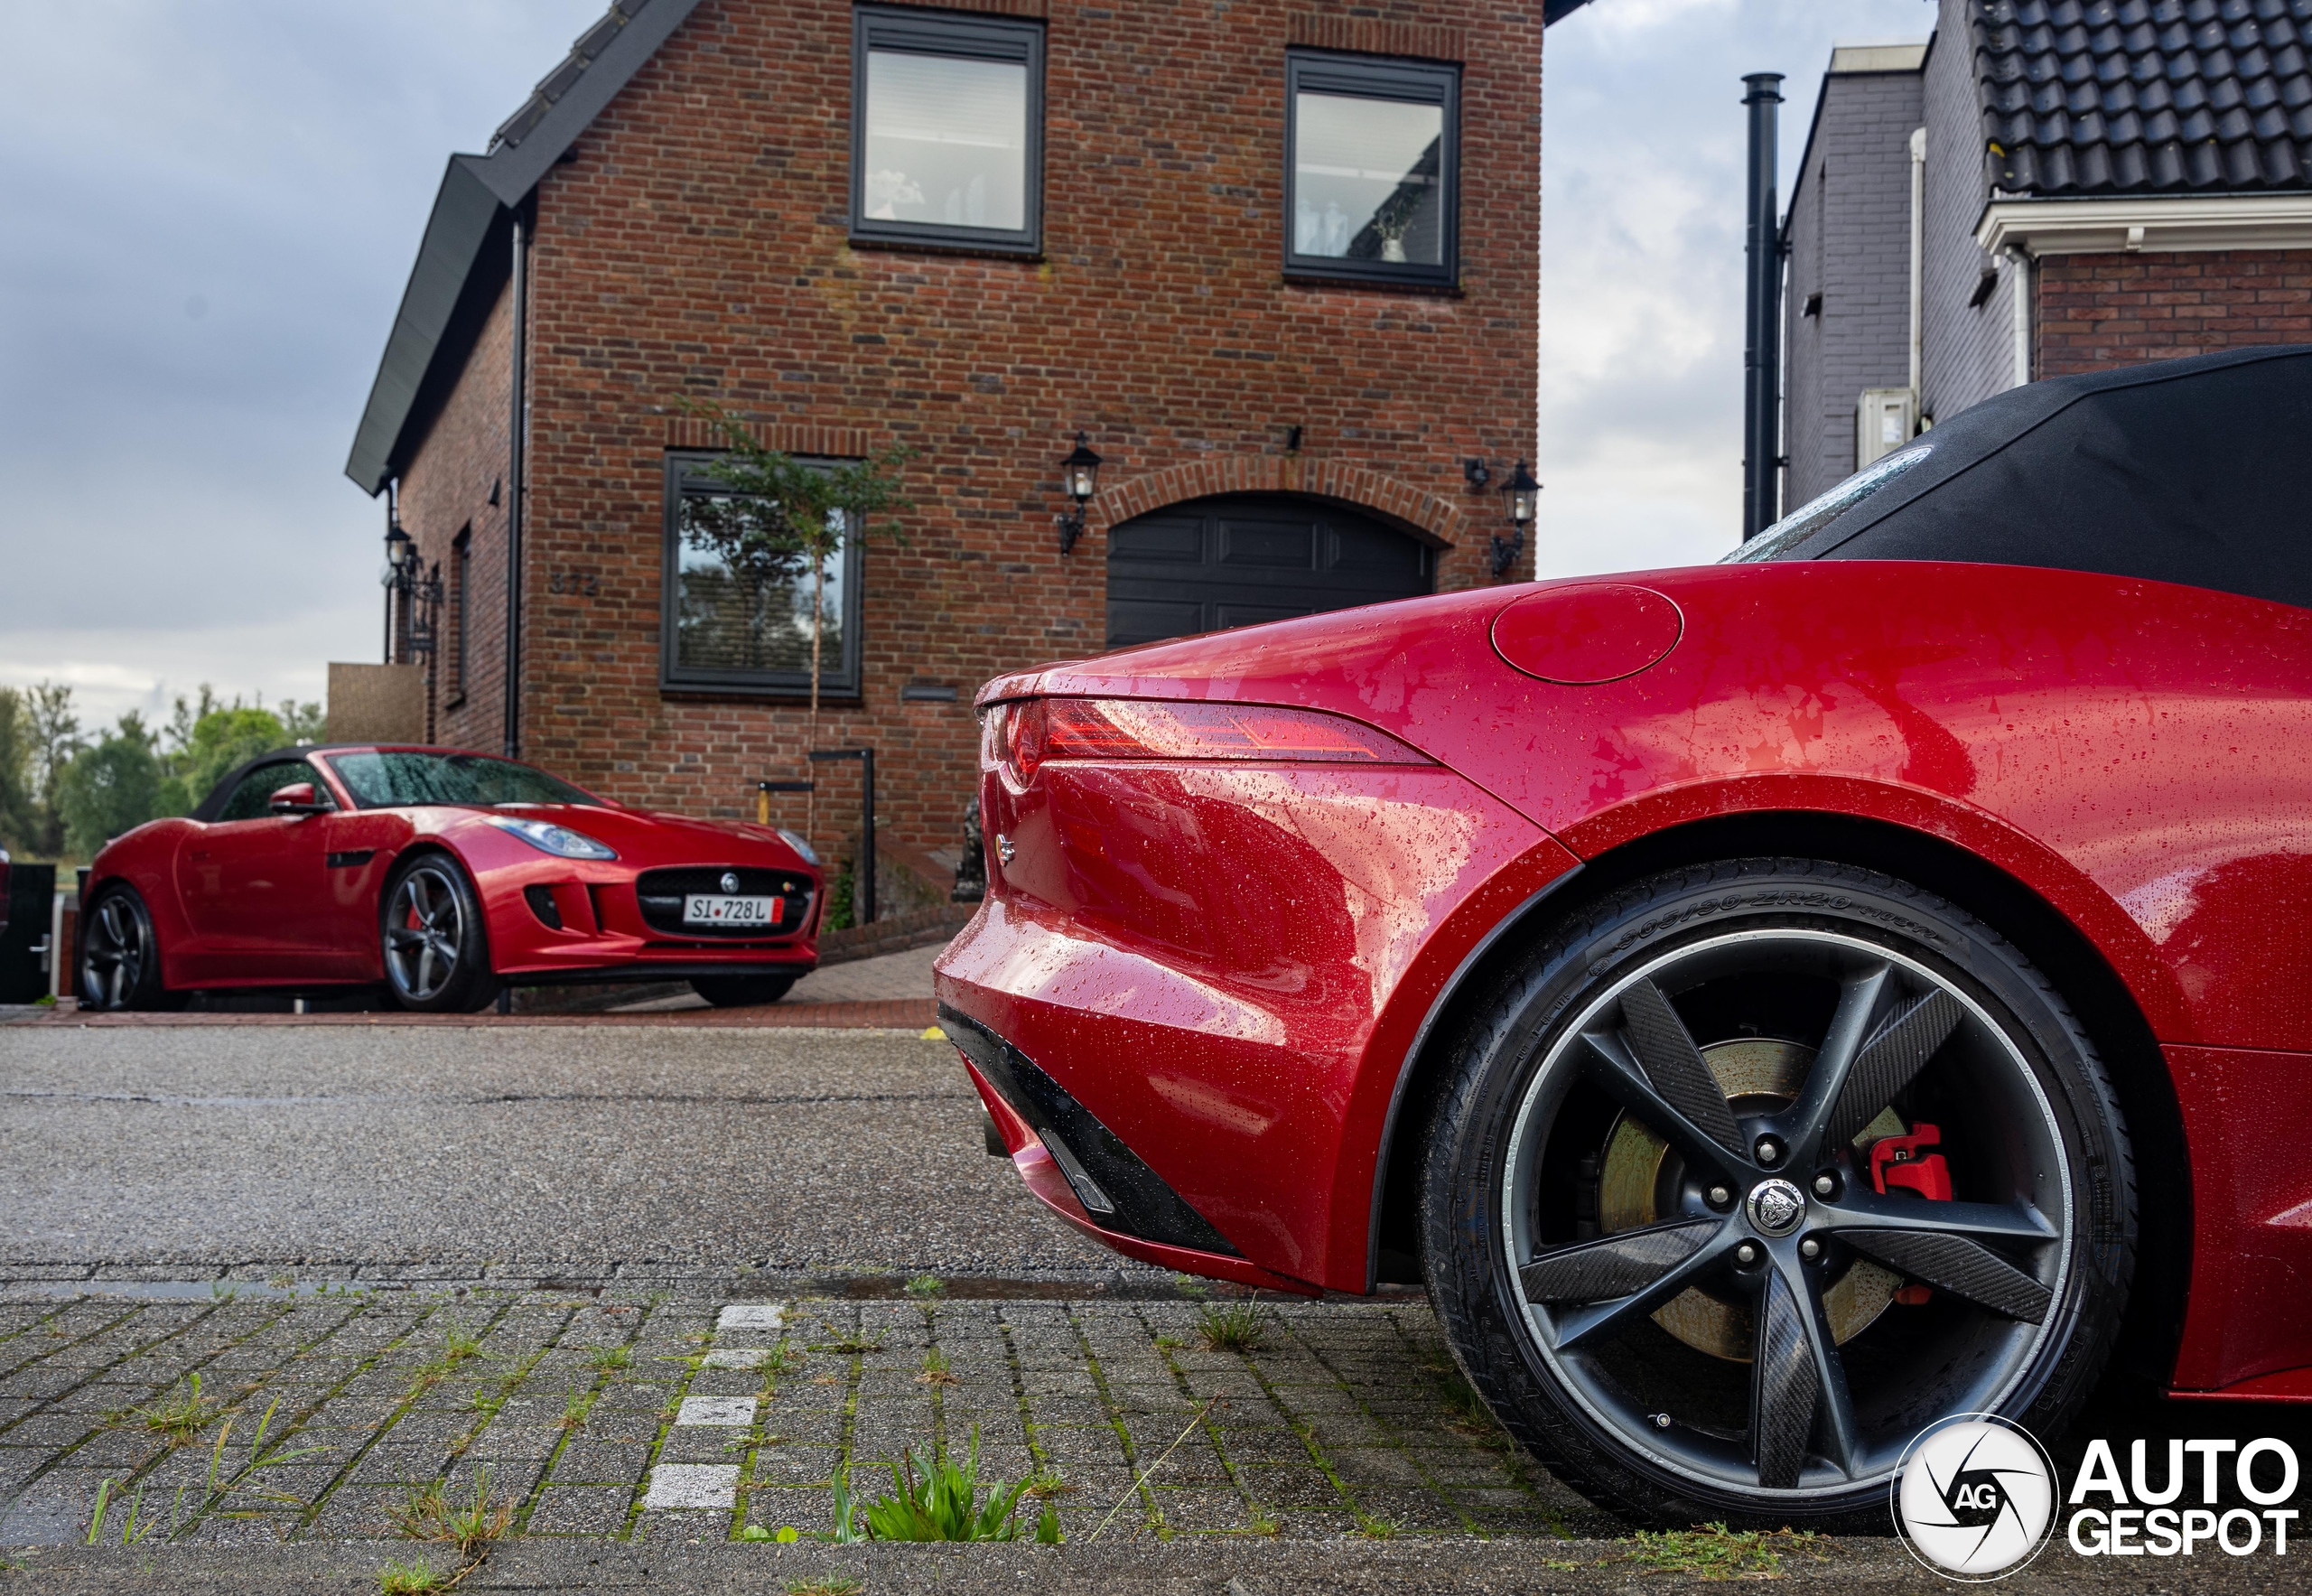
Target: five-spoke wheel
436 954
1744 1182
120 956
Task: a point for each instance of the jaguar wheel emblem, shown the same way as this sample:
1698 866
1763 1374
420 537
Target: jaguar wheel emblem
1776 1207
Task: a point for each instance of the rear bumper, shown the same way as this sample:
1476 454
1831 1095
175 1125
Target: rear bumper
1104 1190
1228 968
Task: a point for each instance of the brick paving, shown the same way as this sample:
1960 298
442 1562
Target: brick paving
582 1413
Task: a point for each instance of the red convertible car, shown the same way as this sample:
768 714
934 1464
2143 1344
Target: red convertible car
445 876
1773 1006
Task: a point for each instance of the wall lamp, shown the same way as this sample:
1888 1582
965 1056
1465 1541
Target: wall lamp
420 595
1521 497
1079 476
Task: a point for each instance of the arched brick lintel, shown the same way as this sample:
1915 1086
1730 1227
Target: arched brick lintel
1424 515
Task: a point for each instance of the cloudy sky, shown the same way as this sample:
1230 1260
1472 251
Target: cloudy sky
209 211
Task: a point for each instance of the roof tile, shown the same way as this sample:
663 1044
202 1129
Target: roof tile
2085 97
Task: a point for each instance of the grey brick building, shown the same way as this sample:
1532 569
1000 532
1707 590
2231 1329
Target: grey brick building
2042 187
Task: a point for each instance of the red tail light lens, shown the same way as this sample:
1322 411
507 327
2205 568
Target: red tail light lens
1021 735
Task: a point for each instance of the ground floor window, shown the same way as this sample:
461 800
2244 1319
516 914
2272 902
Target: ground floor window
738 609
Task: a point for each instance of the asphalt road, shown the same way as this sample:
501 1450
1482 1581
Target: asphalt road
455 1149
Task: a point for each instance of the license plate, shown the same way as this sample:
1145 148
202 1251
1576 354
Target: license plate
703 909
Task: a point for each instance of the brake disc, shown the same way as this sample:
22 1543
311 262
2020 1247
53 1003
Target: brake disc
1639 1177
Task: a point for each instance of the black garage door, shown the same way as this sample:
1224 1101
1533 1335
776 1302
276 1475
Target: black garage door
1216 563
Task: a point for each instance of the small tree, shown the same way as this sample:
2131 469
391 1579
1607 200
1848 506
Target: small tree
111 786
19 818
213 745
783 514
55 739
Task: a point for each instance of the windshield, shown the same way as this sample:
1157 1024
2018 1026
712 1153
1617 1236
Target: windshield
390 780
1819 512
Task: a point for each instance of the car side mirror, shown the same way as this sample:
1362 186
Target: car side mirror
297 798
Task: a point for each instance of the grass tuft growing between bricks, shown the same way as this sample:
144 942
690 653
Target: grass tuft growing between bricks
827 1585
1713 1552
1232 1327
417 1577
470 1525
183 1413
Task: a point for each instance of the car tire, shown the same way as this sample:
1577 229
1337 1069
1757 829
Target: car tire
742 991
1587 1261
432 940
119 962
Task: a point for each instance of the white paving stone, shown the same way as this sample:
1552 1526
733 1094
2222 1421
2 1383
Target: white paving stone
738 1358
751 1316
693 1484
704 1411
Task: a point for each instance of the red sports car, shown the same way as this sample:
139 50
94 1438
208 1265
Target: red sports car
445 876
1773 1006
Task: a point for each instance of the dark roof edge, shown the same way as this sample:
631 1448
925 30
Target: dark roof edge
474 188
1557 10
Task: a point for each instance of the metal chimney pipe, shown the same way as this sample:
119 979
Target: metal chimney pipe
1762 352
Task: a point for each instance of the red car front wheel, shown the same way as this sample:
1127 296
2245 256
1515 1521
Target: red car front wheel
436 953
1756 1170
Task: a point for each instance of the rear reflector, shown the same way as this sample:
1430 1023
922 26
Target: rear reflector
1021 735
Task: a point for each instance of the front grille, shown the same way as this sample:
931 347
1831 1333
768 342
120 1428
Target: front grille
661 893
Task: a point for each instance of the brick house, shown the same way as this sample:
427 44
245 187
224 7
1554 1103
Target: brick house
1275 260
2046 186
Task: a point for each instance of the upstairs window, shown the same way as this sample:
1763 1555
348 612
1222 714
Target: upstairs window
946 145
1372 176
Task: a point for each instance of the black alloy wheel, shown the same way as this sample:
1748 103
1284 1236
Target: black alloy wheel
742 991
436 952
1756 1170
120 956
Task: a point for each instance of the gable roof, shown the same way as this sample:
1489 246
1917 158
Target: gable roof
2119 97
458 272
477 191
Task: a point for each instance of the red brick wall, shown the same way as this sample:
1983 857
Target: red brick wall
696 245
2099 311
447 488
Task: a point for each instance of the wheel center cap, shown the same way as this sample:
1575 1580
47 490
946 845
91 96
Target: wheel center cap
1776 1207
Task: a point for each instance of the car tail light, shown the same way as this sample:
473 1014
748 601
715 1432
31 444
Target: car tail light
1023 735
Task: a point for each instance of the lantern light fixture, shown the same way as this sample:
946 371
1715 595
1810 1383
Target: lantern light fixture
1079 476
1521 501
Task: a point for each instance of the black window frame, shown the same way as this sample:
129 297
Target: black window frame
1363 77
971 36
844 682
460 598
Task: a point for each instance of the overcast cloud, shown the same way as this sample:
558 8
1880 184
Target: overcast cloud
209 211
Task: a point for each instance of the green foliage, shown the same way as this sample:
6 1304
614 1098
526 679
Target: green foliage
427 1514
938 1499
212 742
19 812
1236 1327
413 1578
180 1415
1713 1552
110 786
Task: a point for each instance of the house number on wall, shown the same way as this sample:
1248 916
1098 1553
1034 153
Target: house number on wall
583 584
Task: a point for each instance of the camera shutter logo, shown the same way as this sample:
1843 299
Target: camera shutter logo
1975 1497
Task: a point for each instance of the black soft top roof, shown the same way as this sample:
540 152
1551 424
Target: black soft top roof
2194 470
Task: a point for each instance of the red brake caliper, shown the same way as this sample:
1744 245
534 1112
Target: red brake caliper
1903 1160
